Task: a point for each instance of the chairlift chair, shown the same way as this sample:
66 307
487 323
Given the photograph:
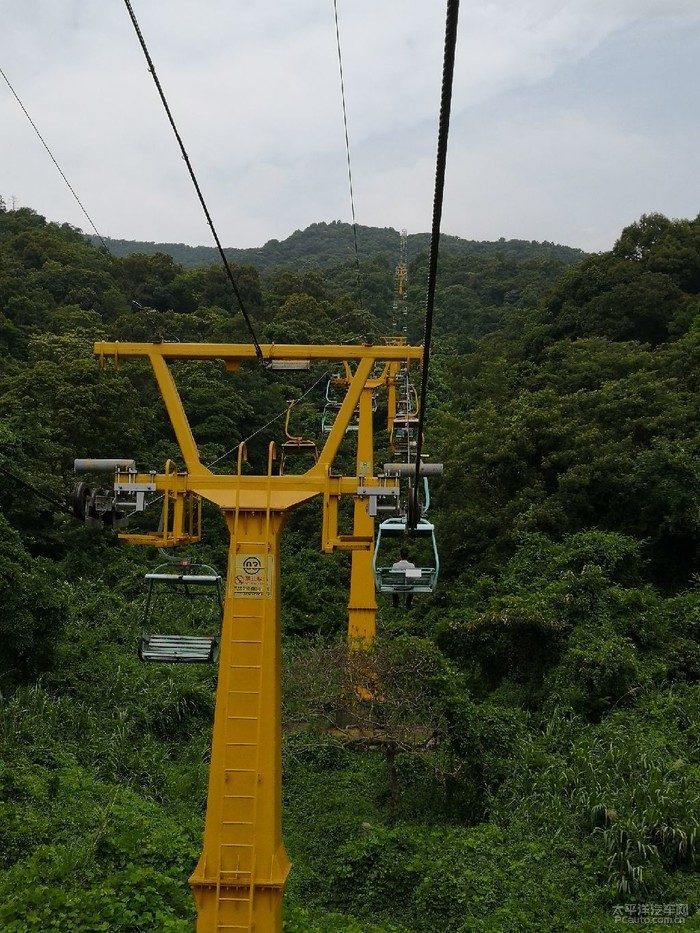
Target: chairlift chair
172 588
334 401
406 399
410 580
404 434
335 386
295 443
330 413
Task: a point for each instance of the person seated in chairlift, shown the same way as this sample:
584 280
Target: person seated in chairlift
403 565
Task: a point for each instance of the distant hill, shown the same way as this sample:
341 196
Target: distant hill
325 245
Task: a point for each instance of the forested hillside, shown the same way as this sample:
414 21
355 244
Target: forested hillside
324 246
539 766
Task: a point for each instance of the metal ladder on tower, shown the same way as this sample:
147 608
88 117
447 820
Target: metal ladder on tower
236 868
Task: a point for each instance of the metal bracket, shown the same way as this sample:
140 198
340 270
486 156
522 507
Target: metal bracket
125 485
110 507
376 493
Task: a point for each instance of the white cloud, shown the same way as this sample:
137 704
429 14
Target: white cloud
532 189
255 92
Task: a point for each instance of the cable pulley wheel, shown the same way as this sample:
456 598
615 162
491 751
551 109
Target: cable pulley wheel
413 510
79 499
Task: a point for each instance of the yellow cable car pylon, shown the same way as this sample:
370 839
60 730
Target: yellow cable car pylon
362 606
240 877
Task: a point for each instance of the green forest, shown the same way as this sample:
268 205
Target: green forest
325 246
539 766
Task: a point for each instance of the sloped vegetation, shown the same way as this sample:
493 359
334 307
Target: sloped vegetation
538 761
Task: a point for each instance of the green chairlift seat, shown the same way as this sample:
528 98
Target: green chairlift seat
187 597
409 580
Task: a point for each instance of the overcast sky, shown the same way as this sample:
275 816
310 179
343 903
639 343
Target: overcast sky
570 118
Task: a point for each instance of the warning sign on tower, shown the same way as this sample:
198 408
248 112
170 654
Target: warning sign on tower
252 578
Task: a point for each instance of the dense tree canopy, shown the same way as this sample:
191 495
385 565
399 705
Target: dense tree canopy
535 757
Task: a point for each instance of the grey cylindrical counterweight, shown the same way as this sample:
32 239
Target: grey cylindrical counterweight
89 465
409 469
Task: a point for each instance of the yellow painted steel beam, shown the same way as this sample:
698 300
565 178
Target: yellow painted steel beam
362 605
176 413
236 352
240 877
342 419
286 491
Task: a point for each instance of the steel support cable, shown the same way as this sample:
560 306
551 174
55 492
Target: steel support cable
347 144
227 267
441 162
245 440
324 375
53 159
37 492
64 508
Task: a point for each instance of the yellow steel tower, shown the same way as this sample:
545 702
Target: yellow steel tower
239 879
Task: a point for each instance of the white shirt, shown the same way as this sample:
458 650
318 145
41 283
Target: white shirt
403 565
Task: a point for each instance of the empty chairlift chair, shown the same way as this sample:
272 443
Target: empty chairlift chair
335 394
334 399
420 579
404 435
404 425
295 445
187 599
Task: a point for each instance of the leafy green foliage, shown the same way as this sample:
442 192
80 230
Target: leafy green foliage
97 854
518 752
633 779
34 610
468 879
325 245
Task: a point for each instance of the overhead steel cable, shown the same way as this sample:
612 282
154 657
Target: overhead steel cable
62 507
441 163
37 492
347 143
324 375
227 267
53 159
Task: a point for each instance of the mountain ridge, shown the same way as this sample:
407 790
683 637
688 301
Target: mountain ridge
325 245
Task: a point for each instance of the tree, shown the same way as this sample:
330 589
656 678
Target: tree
34 610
